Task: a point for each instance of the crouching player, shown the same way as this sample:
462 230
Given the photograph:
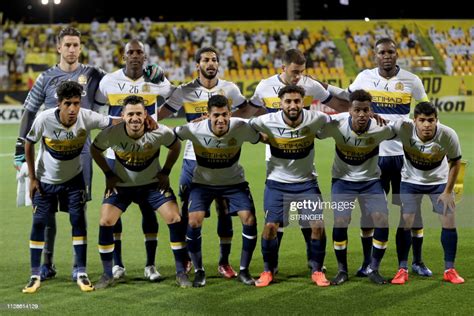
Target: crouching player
57 176
426 144
134 179
217 144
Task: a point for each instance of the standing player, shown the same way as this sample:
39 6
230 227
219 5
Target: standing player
57 176
392 89
217 143
290 172
193 96
356 175
426 144
113 89
138 177
44 92
266 97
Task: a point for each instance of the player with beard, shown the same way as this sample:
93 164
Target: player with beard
291 174
194 96
113 89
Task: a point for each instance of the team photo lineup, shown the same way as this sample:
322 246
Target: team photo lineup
382 155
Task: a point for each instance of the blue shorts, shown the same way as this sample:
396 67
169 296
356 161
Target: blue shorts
147 196
391 168
281 199
370 195
412 194
238 197
70 195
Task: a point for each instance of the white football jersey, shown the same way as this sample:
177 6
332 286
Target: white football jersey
391 99
426 163
136 160
292 149
357 154
217 158
58 159
266 92
116 86
194 97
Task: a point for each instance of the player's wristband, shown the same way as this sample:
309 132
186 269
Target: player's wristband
165 171
109 174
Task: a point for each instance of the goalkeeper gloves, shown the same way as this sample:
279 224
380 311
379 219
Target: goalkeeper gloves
154 74
19 157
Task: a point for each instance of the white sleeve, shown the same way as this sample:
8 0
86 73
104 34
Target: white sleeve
236 96
318 92
102 140
175 101
36 131
257 123
167 135
184 131
454 147
419 93
256 99
101 94
96 120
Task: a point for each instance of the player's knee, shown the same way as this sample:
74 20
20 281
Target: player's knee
107 221
408 220
342 222
195 220
380 219
247 218
270 231
318 233
448 221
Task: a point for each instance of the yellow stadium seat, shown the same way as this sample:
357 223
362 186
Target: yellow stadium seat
265 73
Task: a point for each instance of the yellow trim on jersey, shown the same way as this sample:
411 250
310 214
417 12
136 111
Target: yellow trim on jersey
117 99
66 145
135 158
216 153
197 107
379 244
292 143
420 157
388 97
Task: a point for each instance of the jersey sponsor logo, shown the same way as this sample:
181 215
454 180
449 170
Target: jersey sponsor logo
422 160
356 156
66 146
135 158
291 148
216 158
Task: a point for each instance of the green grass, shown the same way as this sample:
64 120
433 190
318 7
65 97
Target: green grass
293 293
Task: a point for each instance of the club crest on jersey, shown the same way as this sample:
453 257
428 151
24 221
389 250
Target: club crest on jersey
232 142
435 149
81 133
399 86
82 79
146 88
147 146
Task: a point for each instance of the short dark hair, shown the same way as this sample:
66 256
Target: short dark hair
385 40
134 99
68 90
360 95
425 108
197 56
294 56
68 31
291 89
217 101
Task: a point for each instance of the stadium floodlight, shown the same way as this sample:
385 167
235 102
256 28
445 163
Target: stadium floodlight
51 4
366 19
